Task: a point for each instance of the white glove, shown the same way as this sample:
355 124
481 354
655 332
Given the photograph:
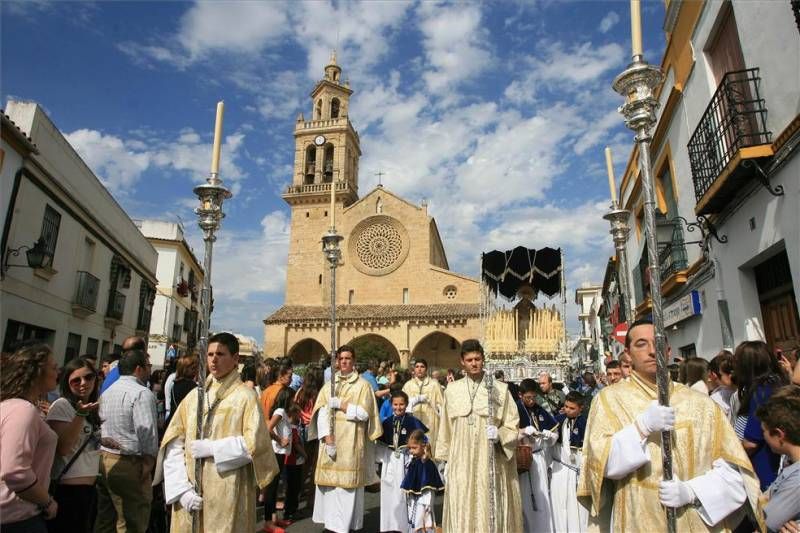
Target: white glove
549 435
422 398
330 449
656 418
675 493
201 448
491 433
334 402
530 431
191 501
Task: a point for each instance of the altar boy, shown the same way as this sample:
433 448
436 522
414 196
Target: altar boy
568 514
393 453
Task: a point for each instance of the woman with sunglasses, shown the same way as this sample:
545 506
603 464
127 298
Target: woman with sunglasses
74 418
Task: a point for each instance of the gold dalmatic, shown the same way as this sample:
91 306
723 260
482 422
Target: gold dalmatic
428 413
462 442
228 499
701 436
349 469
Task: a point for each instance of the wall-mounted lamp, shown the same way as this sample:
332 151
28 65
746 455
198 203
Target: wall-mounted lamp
38 256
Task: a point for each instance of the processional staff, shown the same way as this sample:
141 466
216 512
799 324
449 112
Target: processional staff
637 84
489 381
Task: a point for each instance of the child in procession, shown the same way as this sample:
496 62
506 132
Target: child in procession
568 514
391 450
294 464
420 484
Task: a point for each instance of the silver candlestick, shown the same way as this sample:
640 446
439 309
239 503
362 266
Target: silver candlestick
619 233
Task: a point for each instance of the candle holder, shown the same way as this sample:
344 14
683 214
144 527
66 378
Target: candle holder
637 84
620 230
209 217
333 253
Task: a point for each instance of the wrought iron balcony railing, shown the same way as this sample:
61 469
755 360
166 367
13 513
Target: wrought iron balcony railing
86 291
116 305
177 332
735 119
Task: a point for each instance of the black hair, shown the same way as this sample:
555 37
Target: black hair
399 394
110 357
640 322
420 360
130 360
529 385
248 372
613 364
283 400
346 348
499 374
471 346
575 397
226 339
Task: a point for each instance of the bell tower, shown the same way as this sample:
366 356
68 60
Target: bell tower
327 152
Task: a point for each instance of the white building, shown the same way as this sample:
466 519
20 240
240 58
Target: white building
590 345
725 148
96 273
176 312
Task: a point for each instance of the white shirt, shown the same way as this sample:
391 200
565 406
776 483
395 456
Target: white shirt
282 429
88 462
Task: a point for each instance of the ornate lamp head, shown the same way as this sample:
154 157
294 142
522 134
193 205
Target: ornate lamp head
330 246
211 194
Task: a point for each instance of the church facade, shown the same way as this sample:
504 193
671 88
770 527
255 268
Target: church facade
394 287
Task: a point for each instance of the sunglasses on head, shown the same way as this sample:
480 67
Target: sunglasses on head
88 378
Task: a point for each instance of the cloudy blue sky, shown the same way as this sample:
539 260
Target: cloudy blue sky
495 113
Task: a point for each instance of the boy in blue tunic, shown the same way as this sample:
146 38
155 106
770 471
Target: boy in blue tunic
568 514
392 451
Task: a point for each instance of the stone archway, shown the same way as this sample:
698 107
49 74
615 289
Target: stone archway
374 346
307 351
439 349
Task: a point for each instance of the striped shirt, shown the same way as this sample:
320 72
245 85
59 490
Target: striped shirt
130 419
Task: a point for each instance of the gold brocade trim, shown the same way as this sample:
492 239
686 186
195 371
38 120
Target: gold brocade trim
419 493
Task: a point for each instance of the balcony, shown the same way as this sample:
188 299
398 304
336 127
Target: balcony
672 259
87 288
116 306
729 142
320 192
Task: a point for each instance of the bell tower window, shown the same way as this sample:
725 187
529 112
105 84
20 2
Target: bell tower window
328 164
335 108
311 164
318 110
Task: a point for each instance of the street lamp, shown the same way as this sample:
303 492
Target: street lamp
637 84
37 256
212 194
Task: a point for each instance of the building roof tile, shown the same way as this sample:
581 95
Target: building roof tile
306 313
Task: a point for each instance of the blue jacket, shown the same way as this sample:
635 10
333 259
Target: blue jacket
578 430
544 420
408 423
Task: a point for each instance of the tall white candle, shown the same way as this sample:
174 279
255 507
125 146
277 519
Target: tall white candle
217 138
611 183
333 203
636 27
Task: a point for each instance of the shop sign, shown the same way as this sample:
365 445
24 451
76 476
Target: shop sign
686 307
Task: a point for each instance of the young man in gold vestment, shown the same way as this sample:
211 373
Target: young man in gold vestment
425 399
235 449
345 462
465 432
621 479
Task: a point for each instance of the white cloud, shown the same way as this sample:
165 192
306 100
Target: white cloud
608 22
117 166
248 263
577 64
455 44
120 163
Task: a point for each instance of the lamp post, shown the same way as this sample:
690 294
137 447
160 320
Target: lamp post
637 84
209 216
619 233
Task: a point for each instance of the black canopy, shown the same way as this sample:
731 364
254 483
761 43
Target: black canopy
505 272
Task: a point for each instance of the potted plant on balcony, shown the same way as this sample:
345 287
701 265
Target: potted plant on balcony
182 288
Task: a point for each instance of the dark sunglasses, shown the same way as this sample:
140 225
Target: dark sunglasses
88 378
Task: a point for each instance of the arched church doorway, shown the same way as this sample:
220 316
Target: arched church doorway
373 346
307 351
439 349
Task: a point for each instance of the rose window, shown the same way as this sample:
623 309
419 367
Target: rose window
378 245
